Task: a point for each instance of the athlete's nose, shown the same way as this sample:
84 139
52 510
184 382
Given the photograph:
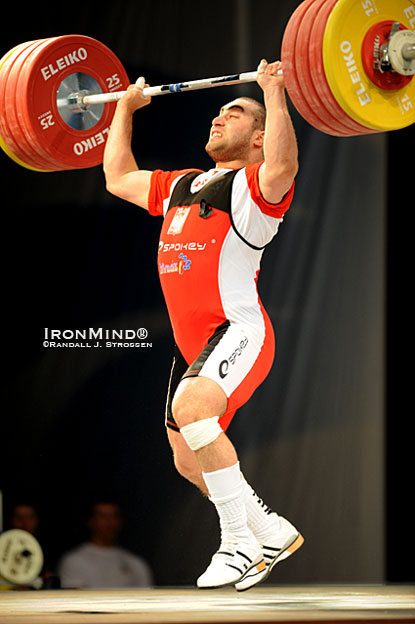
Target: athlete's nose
218 121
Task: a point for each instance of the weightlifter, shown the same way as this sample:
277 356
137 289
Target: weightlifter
216 225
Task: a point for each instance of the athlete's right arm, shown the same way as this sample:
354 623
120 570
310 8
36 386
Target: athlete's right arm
122 175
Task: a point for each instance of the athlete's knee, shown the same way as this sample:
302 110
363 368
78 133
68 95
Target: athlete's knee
197 398
201 433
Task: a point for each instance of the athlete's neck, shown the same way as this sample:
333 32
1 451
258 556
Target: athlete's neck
237 164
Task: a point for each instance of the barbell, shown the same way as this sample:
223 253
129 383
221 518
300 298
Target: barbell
348 66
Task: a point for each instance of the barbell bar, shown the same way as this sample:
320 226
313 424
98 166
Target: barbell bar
192 85
348 67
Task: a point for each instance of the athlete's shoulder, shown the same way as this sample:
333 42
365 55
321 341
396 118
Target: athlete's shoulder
249 176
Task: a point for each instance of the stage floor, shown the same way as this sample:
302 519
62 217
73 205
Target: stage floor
291 604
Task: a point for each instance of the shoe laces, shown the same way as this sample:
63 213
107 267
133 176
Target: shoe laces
228 545
265 507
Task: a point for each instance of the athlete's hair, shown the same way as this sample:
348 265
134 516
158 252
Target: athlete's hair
259 113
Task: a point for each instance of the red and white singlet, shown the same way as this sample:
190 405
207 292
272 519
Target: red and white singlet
216 225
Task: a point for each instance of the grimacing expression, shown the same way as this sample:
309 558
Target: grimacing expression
232 132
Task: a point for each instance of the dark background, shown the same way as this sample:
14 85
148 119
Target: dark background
326 439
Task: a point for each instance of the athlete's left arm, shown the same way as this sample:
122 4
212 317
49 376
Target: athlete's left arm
277 173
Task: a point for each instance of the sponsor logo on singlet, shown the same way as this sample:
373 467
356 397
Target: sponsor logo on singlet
180 266
224 365
192 246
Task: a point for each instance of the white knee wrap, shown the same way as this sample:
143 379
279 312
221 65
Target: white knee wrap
201 433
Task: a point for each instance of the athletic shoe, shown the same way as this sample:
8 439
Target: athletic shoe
231 562
283 543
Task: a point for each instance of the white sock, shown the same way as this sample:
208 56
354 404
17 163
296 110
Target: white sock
261 519
227 493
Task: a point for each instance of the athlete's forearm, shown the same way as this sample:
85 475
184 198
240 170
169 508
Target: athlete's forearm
118 156
277 173
119 162
280 143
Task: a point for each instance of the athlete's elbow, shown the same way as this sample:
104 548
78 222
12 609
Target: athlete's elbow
114 186
112 189
292 170
282 172
294 165
287 169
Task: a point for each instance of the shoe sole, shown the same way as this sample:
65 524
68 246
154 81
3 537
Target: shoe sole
259 577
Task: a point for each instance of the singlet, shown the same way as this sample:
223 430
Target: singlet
216 225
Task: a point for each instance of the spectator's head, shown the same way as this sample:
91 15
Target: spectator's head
24 516
104 522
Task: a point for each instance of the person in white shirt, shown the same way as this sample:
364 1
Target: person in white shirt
101 562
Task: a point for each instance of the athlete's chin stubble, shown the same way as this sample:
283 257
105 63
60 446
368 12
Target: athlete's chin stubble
227 154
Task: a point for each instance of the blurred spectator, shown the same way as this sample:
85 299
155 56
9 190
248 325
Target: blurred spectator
101 562
24 516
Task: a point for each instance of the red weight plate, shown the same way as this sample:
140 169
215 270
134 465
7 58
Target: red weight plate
3 145
39 82
16 144
13 101
318 73
290 72
4 62
14 141
304 74
30 151
17 103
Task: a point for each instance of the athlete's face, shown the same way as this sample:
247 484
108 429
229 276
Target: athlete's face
232 133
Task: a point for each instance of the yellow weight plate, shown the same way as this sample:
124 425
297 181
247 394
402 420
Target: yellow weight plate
3 144
345 31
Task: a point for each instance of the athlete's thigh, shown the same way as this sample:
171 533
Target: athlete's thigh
233 357
189 396
236 359
239 363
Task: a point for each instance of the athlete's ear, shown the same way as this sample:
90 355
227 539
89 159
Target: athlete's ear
258 138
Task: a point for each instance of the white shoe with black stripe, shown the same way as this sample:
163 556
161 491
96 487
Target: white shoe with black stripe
285 541
231 563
